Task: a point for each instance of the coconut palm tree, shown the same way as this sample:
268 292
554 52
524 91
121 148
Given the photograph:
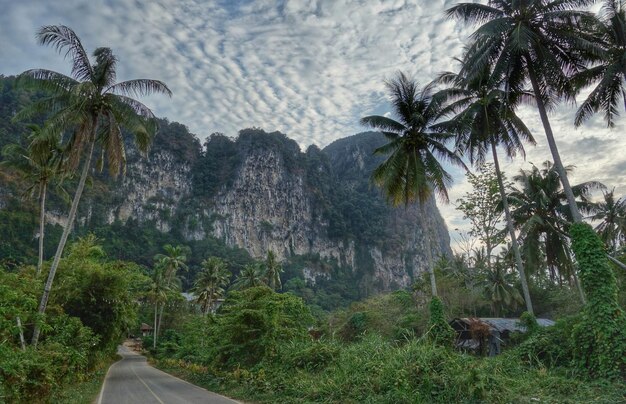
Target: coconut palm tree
412 171
484 118
498 285
94 108
541 213
609 68
536 41
171 262
612 213
210 282
157 295
249 277
272 271
39 164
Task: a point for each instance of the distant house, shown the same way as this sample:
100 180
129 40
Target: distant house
191 299
485 334
146 330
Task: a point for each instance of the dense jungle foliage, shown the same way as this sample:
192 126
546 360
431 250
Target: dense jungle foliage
258 329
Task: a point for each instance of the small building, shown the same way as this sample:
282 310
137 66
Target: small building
146 330
485 334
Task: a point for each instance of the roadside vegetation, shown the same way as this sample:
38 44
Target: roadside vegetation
245 331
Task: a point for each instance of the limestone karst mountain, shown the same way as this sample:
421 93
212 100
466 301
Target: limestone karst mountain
317 210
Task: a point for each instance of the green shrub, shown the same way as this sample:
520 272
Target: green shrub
311 356
550 346
354 328
31 374
254 322
440 331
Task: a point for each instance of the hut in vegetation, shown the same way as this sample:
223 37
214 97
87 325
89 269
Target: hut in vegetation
146 330
484 335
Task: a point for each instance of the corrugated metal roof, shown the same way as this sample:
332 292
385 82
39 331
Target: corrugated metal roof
505 324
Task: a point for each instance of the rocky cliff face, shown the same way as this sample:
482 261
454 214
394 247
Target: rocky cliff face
269 195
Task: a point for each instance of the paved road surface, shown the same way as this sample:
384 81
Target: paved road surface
133 381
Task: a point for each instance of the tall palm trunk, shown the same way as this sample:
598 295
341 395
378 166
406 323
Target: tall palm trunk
154 335
429 253
569 194
616 262
509 225
158 328
42 223
66 232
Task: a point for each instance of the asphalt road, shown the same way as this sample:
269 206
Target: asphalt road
132 381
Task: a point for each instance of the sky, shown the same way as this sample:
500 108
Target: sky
308 68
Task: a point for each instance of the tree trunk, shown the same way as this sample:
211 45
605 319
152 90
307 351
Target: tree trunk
158 329
509 225
19 328
429 252
616 262
154 335
66 233
569 194
42 223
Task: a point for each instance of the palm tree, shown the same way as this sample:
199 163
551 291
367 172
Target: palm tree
609 71
499 290
485 118
94 107
157 295
412 170
612 213
173 260
272 271
210 282
170 262
536 41
39 164
249 277
541 212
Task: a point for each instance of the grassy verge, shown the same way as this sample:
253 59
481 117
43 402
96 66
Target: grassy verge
375 371
84 391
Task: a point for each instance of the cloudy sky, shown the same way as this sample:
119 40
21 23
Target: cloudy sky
309 68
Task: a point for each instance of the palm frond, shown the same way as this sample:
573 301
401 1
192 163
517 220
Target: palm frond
139 87
63 38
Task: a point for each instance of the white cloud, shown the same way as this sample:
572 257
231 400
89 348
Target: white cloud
308 68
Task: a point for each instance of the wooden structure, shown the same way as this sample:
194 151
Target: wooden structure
146 330
485 334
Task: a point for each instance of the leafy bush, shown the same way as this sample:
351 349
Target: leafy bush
255 321
440 331
393 316
310 355
30 375
550 346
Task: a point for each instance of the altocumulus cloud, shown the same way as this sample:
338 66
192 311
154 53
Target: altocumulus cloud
310 69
